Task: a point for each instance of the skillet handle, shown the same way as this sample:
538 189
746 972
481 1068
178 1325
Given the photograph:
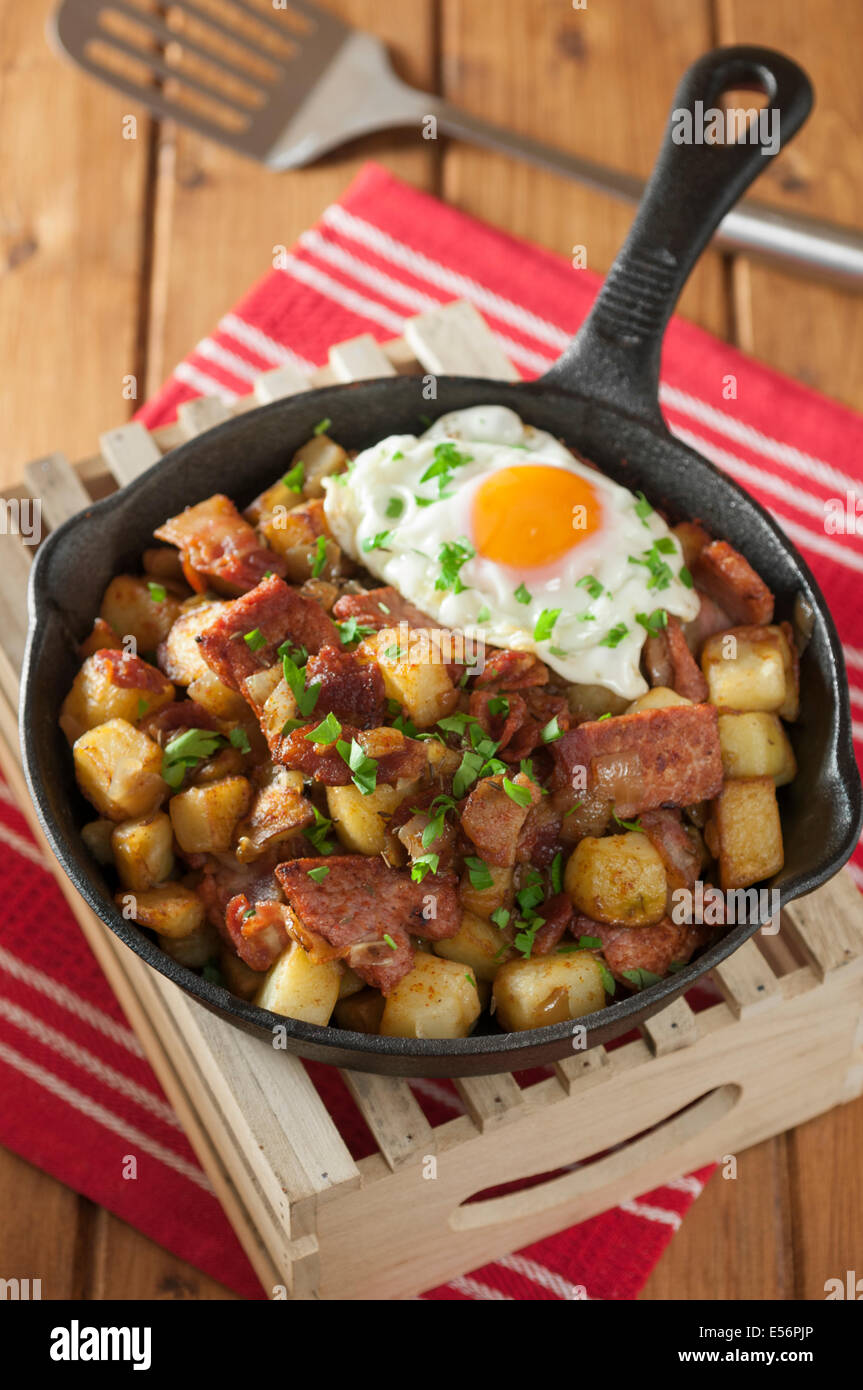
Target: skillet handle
615 356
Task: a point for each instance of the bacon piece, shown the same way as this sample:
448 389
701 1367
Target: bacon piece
129 672
643 948
164 723
518 730
360 901
557 912
380 608
678 849
711 619
654 757
669 662
216 543
396 755
508 670
279 614
257 931
351 689
726 576
493 820
278 811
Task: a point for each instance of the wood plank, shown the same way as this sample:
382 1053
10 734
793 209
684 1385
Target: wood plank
222 220
54 481
491 1100
810 330
360 359
672 1028
456 341
72 245
577 78
747 981
128 1266
129 451
202 414
828 925
401 1130
43 1229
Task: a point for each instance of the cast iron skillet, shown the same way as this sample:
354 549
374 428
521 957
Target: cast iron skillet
601 397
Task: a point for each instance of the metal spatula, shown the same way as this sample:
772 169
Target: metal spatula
286 83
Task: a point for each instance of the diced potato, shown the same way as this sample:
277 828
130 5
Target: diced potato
204 818
94 698
227 762
360 820
350 983
131 608
443 762
162 562
484 901
119 770
477 944
414 673
547 989
278 812
298 988
180 653
218 699
590 701
790 707
97 837
693 538
321 457
748 832
101 637
659 697
745 669
143 851
170 909
194 950
239 978
754 744
293 531
618 879
436 999
360 1013
279 707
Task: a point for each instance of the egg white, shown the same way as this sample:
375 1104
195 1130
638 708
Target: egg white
379 495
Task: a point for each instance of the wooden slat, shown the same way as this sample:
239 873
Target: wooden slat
747 981
286 380
202 414
491 1100
672 1028
55 482
829 926
456 341
387 1103
15 571
129 451
582 1069
360 359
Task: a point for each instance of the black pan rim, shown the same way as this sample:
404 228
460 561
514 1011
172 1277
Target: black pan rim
318 1040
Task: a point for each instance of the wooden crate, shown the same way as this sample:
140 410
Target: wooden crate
785 1044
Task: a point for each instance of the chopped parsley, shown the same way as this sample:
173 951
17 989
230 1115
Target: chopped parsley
364 769
318 833
425 864
593 586
158 592
552 731
319 556
322 426
643 508
240 740
305 696
187 750
685 577
446 457
377 542
295 477
319 874
434 829
479 873
452 557
483 615
388 939
653 622
521 594
520 795
628 824
640 979
544 624
557 873
660 571
500 917
395 507
609 983
615 636
255 639
327 731
498 704
589 943
351 630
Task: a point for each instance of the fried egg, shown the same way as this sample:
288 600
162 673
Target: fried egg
499 532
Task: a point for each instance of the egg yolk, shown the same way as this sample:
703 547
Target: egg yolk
533 514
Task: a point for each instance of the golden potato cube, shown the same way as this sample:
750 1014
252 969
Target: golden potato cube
350 983
218 699
94 698
547 989
618 879
754 744
297 987
96 835
659 697
132 609
360 819
279 707
169 909
790 707
293 531
194 950
239 978
590 701
748 831
360 1013
477 944
484 901
143 850
119 770
743 672
180 653
414 672
204 818
437 999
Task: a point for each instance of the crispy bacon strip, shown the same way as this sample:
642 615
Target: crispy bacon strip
726 576
380 608
361 901
217 544
130 672
276 612
678 849
669 662
493 820
643 948
655 757
557 912
257 931
396 755
164 723
508 670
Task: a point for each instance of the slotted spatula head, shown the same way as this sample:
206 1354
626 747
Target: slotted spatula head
282 83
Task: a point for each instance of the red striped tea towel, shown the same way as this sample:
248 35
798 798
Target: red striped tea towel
77 1095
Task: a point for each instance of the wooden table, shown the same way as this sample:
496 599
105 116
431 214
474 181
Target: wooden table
117 255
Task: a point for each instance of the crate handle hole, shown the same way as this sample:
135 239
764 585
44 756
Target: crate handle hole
551 1190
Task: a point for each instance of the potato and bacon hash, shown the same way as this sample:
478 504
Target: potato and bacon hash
346 828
